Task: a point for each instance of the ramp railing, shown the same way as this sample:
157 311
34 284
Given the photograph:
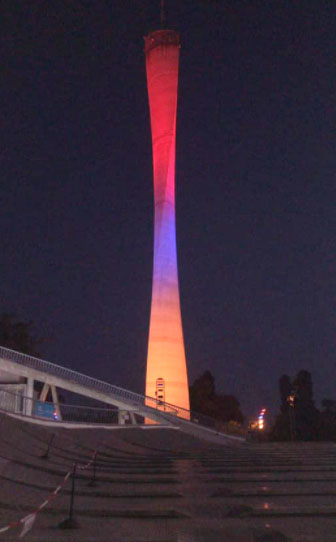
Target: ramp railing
143 402
17 403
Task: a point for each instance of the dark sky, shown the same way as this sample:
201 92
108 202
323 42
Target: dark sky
256 221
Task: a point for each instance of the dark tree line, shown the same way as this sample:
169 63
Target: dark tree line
205 400
18 335
299 418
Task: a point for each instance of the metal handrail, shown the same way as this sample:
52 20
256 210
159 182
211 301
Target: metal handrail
63 372
83 380
166 410
29 407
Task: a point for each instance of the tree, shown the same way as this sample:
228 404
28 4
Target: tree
327 425
203 399
17 335
202 393
329 406
282 429
306 414
302 419
285 390
229 409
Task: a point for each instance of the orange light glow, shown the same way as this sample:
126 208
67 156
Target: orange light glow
166 378
261 419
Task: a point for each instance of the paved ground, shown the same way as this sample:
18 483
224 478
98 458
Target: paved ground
160 485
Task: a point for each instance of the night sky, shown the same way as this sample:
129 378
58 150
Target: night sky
256 221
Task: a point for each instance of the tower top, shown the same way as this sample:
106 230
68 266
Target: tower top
161 38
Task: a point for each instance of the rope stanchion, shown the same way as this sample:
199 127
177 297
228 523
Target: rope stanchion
71 522
46 454
83 467
93 481
28 521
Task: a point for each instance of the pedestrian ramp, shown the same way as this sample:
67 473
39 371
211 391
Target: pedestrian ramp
19 372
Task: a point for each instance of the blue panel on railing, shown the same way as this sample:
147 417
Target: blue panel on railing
146 404
45 410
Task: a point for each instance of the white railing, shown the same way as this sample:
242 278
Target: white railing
166 411
62 412
63 372
82 380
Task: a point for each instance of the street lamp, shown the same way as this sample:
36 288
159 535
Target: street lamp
291 412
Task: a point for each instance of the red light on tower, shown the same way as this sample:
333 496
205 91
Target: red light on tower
166 360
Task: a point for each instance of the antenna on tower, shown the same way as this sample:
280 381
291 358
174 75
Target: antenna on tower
162 14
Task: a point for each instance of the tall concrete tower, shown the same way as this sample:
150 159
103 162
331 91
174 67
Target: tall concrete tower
166 377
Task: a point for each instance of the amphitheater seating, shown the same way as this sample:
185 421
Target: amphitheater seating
161 485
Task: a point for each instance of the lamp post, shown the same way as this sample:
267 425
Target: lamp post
291 412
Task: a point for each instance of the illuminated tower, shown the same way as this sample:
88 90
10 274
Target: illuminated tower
166 377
